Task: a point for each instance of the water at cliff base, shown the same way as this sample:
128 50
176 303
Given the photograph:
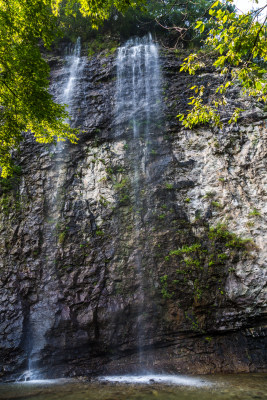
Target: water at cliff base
220 387
152 378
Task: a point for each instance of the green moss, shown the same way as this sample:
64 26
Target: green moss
103 201
250 224
120 185
169 186
112 50
222 256
197 289
101 45
208 339
164 287
10 203
124 199
99 232
216 204
61 237
209 195
193 321
5 203
118 169
185 249
254 213
104 179
221 234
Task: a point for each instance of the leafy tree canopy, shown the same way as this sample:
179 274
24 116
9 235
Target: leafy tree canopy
165 18
154 17
179 16
25 102
238 44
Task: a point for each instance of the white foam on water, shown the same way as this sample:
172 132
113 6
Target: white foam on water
156 378
33 377
45 381
28 375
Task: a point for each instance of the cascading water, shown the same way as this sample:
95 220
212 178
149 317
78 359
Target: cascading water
139 120
42 314
75 65
138 112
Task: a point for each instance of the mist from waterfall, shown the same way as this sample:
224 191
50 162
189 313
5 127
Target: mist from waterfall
138 115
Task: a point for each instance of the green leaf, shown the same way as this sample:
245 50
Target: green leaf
198 24
201 29
215 4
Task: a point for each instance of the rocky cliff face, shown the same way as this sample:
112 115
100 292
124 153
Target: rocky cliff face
70 289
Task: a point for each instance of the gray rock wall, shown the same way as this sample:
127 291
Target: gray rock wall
69 287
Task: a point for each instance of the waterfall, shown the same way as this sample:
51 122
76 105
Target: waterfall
138 86
74 68
42 314
138 116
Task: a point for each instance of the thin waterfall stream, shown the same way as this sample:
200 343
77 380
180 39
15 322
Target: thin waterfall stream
42 314
138 111
139 118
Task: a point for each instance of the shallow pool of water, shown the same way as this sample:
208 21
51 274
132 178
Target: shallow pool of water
215 387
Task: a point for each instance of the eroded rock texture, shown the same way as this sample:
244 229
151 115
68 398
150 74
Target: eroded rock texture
70 287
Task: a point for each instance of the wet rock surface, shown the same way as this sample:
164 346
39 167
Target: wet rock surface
68 247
